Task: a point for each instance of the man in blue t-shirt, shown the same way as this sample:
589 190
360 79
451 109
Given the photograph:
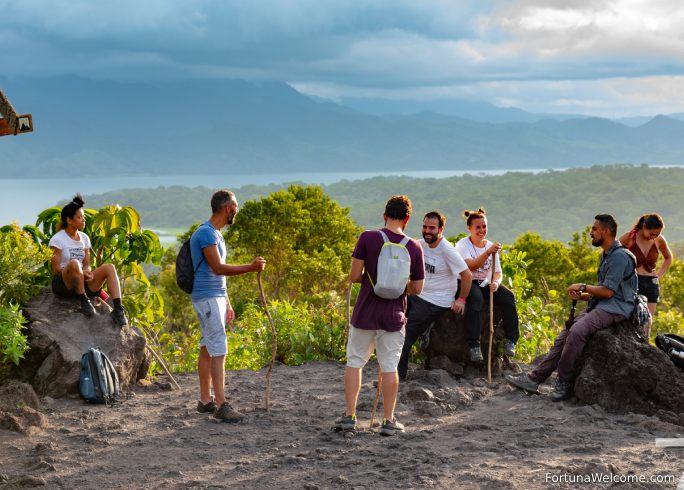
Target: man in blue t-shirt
211 303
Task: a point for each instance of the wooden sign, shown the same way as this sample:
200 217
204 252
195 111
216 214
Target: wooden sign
25 125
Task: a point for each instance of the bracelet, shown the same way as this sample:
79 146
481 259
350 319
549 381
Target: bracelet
461 299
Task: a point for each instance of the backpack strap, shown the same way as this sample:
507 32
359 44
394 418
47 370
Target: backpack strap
623 283
404 241
384 237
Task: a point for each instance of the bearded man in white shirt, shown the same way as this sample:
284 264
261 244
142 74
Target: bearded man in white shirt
444 269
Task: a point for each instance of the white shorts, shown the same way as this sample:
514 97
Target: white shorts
212 317
388 346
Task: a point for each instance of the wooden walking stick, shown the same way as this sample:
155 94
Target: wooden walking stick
275 339
161 362
491 323
377 396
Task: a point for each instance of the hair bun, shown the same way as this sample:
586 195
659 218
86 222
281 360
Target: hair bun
466 213
481 211
78 200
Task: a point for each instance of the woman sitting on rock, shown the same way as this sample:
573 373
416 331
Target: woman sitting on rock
477 252
71 264
645 241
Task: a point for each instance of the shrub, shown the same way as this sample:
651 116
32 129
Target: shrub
20 259
12 343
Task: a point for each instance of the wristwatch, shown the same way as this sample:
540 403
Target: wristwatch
583 288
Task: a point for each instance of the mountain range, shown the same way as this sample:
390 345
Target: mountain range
91 128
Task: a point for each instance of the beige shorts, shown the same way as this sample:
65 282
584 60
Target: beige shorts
387 346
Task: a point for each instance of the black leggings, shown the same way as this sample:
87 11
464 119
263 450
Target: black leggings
504 299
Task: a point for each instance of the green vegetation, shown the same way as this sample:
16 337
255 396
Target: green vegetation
20 260
307 239
553 204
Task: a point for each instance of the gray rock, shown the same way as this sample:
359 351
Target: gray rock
59 335
429 408
14 394
459 397
439 377
479 382
443 362
31 481
418 394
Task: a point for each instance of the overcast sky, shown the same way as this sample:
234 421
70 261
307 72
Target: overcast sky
610 58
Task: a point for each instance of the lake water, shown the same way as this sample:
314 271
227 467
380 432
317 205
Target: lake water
23 199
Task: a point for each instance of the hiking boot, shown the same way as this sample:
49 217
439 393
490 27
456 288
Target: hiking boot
509 348
87 307
561 391
206 407
119 316
346 422
476 354
523 381
227 414
391 428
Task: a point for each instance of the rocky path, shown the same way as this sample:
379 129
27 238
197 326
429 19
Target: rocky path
459 434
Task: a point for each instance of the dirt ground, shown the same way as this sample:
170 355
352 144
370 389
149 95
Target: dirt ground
478 438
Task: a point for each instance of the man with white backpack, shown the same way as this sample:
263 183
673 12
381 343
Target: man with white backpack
387 263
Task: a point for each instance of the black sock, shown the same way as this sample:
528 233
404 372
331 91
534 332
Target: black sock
82 296
117 303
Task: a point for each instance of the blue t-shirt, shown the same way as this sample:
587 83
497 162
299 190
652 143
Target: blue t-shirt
207 284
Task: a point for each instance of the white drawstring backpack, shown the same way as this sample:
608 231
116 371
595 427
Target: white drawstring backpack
394 268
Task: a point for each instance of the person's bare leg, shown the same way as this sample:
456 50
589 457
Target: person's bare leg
390 387
204 372
352 385
72 275
106 273
218 376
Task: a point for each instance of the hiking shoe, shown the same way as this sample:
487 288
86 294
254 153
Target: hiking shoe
561 391
119 316
346 422
226 414
87 307
523 381
509 348
476 354
391 428
206 407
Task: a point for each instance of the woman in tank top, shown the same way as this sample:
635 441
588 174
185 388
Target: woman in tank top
645 241
71 264
477 252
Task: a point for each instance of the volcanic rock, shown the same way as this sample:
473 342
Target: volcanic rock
59 335
619 373
443 362
15 394
448 338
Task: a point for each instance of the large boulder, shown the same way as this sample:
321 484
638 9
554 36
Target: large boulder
619 372
448 338
59 335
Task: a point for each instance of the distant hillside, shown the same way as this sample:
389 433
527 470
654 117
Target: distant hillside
553 204
86 128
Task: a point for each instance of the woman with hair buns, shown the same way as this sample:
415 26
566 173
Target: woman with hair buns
645 241
477 252
71 264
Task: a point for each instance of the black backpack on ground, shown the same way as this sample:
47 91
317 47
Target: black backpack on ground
99 382
185 272
673 346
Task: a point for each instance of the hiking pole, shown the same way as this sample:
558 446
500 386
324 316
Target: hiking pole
377 397
275 338
163 365
491 323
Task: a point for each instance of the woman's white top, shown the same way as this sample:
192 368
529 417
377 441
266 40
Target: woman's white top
469 251
71 249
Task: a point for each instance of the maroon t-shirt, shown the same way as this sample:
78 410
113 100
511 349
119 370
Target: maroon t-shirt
372 312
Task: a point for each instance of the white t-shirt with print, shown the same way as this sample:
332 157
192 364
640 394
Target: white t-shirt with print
70 249
443 267
469 251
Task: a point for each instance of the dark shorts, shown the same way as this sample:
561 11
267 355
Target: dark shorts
60 289
649 286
